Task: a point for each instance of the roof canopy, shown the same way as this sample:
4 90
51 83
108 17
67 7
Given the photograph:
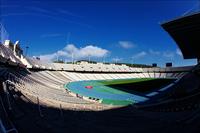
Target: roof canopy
186 33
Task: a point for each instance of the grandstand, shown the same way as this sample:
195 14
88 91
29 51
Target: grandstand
37 96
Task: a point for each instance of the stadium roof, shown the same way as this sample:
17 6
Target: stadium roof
186 33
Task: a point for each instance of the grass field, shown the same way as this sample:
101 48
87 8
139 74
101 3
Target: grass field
139 85
118 92
124 81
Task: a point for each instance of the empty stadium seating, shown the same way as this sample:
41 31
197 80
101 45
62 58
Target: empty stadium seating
42 84
181 95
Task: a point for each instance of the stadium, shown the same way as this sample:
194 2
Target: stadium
37 96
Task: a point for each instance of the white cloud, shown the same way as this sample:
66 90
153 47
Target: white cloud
63 11
117 59
153 52
139 55
178 52
41 10
168 54
78 53
48 57
126 44
51 35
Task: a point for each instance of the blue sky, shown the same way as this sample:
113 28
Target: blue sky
114 31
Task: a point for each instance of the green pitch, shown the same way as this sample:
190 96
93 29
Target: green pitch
117 92
124 81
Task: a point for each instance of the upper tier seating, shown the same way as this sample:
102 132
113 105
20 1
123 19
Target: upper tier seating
7 55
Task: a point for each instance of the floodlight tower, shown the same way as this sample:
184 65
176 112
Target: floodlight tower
89 57
26 52
72 54
132 58
57 57
104 59
3 33
68 37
